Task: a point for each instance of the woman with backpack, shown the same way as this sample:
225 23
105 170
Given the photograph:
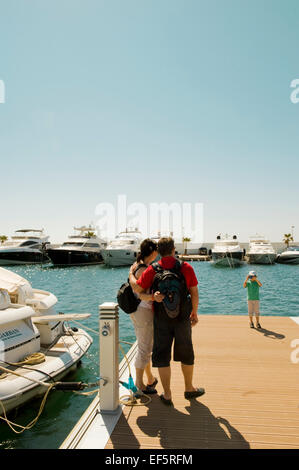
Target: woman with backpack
143 319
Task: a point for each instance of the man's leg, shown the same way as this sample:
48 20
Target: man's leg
188 377
165 375
184 353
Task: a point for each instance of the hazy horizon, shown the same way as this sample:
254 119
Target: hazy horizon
162 101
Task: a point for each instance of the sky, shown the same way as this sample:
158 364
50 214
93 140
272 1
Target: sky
175 101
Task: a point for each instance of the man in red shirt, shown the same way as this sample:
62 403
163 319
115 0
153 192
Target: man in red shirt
168 330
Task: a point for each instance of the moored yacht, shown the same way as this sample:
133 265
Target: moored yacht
289 256
27 246
80 249
123 249
260 251
227 252
37 347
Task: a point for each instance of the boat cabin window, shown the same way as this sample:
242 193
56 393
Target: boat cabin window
93 245
72 244
293 248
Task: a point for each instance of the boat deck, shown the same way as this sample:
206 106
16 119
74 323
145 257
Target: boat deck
251 399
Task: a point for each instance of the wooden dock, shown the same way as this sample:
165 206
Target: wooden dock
195 257
251 400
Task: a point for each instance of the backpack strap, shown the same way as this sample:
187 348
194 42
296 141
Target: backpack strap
140 265
157 267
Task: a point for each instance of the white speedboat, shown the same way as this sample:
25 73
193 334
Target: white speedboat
227 252
123 249
260 251
289 256
80 249
36 345
27 246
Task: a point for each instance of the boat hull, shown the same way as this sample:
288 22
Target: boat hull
261 258
60 361
227 259
61 257
289 259
11 258
116 258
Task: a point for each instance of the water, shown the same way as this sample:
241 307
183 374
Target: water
82 289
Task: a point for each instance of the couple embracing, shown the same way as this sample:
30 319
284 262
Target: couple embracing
168 309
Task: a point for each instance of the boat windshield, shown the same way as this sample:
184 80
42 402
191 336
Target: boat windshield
29 243
227 242
121 242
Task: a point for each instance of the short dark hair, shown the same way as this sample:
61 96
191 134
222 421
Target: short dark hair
166 246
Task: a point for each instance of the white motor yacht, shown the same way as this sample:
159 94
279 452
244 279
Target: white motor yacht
27 246
227 252
289 256
260 251
31 327
79 249
123 249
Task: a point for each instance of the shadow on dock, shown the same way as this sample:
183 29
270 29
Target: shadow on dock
270 334
169 428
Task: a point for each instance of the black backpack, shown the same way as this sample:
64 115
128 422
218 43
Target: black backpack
126 298
171 283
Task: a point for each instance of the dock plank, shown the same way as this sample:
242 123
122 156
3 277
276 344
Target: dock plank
251 399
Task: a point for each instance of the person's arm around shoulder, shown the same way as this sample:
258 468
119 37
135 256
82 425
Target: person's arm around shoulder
133 280
157 297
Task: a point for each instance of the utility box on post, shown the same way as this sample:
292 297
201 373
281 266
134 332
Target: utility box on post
109 367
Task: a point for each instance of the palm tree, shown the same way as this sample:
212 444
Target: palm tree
185 241
288 238
90 234
3 238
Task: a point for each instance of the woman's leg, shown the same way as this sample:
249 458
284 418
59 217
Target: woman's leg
149 374
139 378
143 323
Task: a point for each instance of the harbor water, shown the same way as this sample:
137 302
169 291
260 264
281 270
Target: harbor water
82 289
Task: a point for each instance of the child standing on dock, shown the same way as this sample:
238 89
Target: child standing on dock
253 286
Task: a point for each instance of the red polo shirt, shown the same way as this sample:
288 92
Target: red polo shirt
167 262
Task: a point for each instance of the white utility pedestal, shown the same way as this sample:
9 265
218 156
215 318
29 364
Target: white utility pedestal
109 354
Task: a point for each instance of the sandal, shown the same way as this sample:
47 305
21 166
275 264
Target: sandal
251 325
258 326
149 390
195 393
165 401
153 384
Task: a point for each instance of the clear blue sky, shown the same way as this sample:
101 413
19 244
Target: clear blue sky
164 101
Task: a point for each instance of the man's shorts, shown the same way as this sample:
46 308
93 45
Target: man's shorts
253 307
167 331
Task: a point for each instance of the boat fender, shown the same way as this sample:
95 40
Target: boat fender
69 386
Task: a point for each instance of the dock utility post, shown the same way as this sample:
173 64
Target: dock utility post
109 367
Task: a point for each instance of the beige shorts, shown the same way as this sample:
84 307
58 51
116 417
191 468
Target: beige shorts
253 307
